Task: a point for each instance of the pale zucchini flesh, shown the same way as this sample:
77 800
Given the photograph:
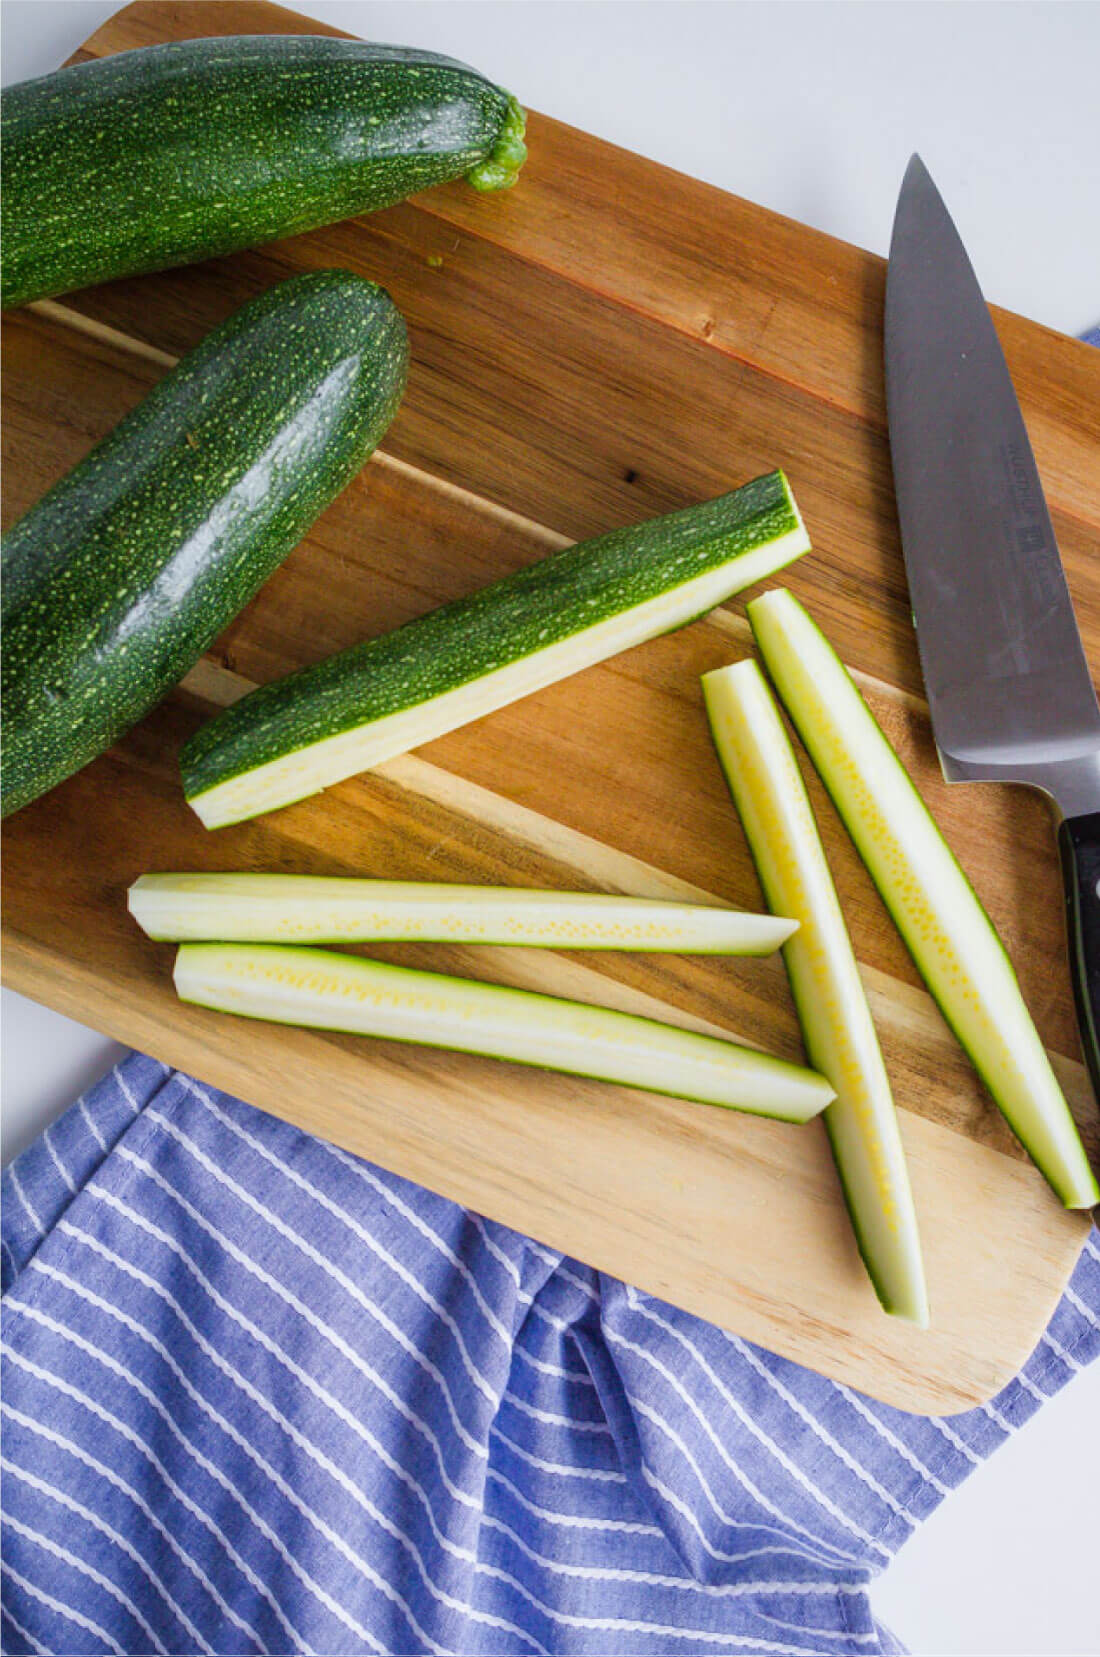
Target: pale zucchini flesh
949 935
839 1034
315 909
290 739
326 990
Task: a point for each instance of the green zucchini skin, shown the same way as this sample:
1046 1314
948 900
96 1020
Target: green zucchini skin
193 149
735 539
124 573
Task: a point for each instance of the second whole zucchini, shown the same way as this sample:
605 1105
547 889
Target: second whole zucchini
126 571
196 148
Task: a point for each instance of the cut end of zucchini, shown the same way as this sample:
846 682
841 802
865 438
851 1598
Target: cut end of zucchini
329 991
501 167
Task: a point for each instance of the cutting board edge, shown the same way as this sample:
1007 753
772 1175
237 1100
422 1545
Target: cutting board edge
26 974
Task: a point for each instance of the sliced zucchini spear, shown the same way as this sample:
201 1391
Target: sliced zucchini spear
313 909
862 1124
286 740
948 933
330 991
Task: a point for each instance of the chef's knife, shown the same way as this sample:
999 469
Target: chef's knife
1008 685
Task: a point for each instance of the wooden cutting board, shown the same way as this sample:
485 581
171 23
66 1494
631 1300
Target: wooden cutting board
609 341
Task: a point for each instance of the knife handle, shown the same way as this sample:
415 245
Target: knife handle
1079 846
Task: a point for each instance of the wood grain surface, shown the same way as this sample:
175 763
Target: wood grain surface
608 341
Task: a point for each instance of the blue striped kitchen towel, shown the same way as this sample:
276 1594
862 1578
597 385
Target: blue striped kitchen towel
262 1396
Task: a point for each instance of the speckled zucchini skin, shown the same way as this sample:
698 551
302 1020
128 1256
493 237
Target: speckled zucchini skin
456 644
125 572
172 153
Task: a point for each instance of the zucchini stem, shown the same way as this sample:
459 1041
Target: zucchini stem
501 167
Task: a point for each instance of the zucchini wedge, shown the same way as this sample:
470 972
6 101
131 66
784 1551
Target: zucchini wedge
948 933
329 991
196 148
862 1124
367 704
313 909
127 570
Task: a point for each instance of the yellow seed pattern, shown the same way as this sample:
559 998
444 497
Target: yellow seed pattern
281 908
328 991
936 908
771 799
939 914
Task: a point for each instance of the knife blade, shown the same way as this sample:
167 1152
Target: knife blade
1009 688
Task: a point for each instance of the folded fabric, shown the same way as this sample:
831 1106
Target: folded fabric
260 1395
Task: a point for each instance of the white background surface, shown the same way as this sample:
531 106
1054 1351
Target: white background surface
812 109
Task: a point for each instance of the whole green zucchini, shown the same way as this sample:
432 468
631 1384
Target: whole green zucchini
172 153
123 574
